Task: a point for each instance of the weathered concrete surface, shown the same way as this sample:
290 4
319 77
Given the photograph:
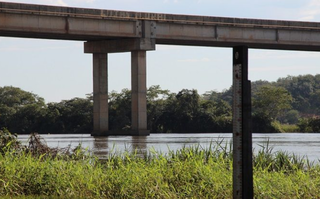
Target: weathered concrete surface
139 93
100 94
121 45
51 22
138 48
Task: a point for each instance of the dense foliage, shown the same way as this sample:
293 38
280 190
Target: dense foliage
185 111
290 104
289 101
25 112
187 173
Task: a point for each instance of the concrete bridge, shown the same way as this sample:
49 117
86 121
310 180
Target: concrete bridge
110 31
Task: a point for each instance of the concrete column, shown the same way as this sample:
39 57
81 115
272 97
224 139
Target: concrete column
138 48
100 94
139 93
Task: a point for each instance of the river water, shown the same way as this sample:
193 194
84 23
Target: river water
301 144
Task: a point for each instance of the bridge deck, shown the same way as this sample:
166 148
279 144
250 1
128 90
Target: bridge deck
53 22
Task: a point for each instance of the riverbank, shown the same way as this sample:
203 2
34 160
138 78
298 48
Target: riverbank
187 173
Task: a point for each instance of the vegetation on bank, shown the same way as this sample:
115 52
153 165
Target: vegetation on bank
290 104
191 172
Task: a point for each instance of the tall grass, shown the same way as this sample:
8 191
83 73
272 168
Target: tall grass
191 172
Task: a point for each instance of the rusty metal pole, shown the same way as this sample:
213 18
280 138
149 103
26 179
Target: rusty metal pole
242 127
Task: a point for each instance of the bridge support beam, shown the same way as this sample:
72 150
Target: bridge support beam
100 94
139 93
138 48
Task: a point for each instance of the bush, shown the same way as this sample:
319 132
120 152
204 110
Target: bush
290 128
8 142
309 125
263 124
315 125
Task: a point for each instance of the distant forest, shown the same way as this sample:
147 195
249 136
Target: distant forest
291 104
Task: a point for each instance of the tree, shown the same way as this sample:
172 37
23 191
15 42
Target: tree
256 85
156 101
315 125
301 88
187 112
120 110
314 101
262 124
291 117
215 116
180 112
69 116
20 111
271 101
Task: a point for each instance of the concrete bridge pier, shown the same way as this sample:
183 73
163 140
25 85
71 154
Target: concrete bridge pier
139 93
100 50
100 94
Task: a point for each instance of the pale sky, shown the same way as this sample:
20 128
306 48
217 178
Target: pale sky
59 70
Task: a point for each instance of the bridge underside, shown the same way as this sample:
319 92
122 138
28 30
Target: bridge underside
218 42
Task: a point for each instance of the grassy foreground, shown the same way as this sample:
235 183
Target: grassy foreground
36 171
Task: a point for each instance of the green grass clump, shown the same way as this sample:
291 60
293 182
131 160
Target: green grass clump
290 128
285 128
191 172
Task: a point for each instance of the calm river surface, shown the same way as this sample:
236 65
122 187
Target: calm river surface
299 143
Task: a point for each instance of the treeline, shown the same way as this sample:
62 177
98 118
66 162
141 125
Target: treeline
25 112
186 111
290 104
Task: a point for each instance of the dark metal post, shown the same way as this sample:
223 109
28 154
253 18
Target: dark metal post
242 128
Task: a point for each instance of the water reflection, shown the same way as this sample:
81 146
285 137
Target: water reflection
298 143
139 143
103 146
100 146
